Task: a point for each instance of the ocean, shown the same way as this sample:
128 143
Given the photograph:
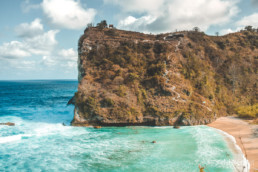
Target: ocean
40 142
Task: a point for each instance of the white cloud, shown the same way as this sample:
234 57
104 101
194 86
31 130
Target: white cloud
227 31
140 6
23 64
67 13
35 42
71 65
13 50
132 23
68 54
66 58
27 6
42 44
168 15
251 20
30 29
39 45
48 61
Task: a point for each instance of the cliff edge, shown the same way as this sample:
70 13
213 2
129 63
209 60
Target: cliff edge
184 78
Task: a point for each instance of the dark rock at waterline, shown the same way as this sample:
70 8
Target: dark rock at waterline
8 124
71 101
97 127
176 127
154 141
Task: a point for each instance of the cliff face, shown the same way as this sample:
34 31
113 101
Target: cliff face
186 78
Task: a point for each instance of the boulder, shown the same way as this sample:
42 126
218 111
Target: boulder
8 124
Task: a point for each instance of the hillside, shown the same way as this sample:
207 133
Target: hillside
184 78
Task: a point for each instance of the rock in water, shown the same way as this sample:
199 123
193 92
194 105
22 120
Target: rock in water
71 101
8 124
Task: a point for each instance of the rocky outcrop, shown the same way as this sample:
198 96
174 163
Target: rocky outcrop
8 124
186 78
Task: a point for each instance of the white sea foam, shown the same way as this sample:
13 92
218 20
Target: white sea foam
240 161
208 154
13 138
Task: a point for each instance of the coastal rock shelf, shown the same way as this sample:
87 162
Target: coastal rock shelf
185 78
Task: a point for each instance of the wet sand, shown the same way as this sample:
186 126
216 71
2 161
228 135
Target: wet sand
246 136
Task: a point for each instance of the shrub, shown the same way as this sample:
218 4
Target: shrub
121 91
111 32
107 102
156 69
153 111
248 111
221 45
132 77
102 24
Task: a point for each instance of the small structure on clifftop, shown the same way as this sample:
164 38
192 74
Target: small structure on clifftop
174 36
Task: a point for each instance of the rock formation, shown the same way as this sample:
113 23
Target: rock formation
8 124
130 78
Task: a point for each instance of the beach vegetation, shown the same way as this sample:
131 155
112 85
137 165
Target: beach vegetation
248 111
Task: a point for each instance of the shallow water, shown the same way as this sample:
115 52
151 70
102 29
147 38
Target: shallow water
39 141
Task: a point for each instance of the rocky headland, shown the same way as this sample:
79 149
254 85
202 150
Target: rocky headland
183 78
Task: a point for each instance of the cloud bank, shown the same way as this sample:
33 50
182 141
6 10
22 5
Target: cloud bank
29 29
37 48
251 20
41 44
67 13
169 15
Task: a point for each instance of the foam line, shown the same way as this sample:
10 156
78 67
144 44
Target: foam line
233 140
12 138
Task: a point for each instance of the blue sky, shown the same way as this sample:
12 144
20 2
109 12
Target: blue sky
38 38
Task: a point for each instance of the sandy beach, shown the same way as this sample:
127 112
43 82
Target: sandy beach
246 136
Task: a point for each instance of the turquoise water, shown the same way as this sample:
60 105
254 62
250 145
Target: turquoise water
39 141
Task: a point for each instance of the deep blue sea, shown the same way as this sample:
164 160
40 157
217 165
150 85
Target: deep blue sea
40 142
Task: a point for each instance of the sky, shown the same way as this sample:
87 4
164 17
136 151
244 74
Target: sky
39 38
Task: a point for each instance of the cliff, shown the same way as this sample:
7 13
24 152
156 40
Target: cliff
184 78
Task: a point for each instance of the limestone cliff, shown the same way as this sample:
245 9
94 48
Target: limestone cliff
186 78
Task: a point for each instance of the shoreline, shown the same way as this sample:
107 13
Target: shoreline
242 136
240 162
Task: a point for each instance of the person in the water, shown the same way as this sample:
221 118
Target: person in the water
201 168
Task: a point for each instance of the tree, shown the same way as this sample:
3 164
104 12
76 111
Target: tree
217 33
102 24
196 29
89 25
249 28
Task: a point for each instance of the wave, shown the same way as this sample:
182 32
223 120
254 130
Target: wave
240 161
13 138
211 151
